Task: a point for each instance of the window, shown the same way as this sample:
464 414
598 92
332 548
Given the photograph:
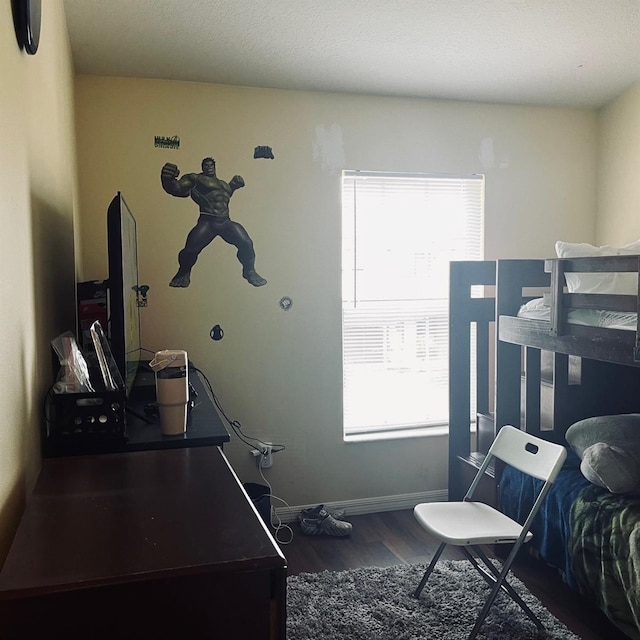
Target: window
400 231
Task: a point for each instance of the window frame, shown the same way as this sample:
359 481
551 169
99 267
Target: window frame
352 304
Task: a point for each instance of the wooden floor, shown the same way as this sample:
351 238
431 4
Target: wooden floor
394 537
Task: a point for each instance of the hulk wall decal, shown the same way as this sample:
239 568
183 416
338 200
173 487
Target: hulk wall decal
212 196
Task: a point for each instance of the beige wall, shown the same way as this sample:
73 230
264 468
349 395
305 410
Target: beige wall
37 183
619 161
279 373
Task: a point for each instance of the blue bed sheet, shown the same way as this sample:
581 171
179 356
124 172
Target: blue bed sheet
551 527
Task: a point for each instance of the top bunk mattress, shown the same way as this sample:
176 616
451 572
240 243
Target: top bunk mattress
539 309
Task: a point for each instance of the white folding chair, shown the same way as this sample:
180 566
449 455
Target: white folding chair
469 524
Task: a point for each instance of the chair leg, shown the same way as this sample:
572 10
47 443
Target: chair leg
499 583
505 586
430 568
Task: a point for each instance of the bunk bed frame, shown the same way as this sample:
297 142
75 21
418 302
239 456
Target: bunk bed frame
543 376
609 345
540 375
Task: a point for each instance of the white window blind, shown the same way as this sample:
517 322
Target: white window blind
400 231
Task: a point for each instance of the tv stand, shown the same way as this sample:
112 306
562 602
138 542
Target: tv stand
204 426
137 415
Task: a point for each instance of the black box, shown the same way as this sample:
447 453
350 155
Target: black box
81 423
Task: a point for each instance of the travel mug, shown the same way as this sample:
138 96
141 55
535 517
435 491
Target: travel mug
172 390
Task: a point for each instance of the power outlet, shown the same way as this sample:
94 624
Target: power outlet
263 455
266 461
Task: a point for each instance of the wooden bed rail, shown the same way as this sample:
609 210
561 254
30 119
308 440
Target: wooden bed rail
562 302
467 313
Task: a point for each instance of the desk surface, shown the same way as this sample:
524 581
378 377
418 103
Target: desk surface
116 518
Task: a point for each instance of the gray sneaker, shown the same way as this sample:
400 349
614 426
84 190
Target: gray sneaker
326 525
320 511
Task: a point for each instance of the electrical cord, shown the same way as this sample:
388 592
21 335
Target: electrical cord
279 525
251 441
235 424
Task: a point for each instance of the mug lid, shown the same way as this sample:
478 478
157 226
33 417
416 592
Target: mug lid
168 358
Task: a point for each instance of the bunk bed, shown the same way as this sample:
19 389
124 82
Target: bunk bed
554 346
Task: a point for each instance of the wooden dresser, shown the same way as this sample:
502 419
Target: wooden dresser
149 544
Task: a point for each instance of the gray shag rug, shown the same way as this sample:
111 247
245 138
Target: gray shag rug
378 604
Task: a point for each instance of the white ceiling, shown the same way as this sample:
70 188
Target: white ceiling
580 53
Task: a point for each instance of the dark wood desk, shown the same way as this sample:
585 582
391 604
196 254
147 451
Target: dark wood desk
151 544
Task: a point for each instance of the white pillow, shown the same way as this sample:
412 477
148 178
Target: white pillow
616 283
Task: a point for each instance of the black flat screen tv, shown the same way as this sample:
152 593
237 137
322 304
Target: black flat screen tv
124 317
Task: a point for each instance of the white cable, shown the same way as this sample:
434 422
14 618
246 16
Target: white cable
272 513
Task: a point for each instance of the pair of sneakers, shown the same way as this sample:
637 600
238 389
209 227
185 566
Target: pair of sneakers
322 520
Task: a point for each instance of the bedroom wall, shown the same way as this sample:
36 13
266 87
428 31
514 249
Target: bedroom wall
618 220
279 372
38 186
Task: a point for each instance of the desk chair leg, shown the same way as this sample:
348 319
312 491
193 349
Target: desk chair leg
430 568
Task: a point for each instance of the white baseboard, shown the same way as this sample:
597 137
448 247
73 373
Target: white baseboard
368 505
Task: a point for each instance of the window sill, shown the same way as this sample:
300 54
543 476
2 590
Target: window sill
398 434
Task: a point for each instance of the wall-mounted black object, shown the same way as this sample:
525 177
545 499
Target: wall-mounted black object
27 20
263 152
142 291
285 303
216 333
